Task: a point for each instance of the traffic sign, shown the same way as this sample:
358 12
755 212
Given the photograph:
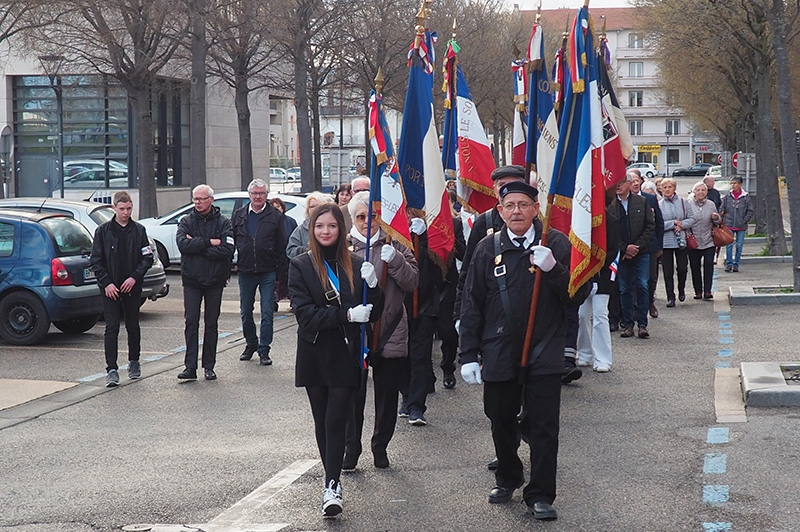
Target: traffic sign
735 160
719 159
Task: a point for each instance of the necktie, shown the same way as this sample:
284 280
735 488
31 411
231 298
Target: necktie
520 240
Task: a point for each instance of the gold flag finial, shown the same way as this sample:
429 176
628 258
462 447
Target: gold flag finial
455 25
538 17
379 80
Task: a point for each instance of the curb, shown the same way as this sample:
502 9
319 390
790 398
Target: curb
763 384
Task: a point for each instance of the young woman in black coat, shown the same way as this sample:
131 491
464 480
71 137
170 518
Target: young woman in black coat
326 288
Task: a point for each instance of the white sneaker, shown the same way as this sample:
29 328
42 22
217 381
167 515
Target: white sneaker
602 369
583 364
332 499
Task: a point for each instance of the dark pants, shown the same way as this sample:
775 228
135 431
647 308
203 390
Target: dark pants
614 311
702 282
127 308
653 281
420 347
501 402
634 274
265 283
446 331
330 407
193 296
671 258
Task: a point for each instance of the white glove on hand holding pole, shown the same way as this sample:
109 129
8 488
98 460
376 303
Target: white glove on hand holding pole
418 226
359 313
471 373
387 253
368 274
542 257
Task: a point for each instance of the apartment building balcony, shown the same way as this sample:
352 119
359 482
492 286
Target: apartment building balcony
627 82
650 111
632 53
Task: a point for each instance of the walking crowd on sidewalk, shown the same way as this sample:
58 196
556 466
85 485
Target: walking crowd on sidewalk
367 304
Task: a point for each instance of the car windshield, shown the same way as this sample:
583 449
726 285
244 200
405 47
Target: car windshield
69 235
102 215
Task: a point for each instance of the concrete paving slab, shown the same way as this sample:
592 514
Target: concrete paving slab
728 402
18 391
763 384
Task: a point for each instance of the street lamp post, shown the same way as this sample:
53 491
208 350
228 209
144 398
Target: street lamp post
667 154
51 64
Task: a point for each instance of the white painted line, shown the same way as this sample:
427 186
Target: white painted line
238 514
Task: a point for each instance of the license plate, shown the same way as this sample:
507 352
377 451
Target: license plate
88 275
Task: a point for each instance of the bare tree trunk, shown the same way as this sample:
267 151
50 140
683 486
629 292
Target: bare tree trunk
769 219
197 96
783 86
245 134
315 130
140 102
303 125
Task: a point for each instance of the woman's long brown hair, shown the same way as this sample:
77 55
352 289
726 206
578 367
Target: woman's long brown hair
342 252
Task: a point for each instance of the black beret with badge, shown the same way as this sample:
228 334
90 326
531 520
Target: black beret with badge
519 187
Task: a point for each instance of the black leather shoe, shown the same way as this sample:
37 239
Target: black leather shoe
670 303
449 381
613 327
492 466
381 460
542 510
571 374
350 462
188 374
210 375
501 495
264 359
681 296
247 354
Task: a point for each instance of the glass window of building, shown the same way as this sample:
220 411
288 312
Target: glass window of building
635 127
95 132
635 98
636 69
673 126
635 40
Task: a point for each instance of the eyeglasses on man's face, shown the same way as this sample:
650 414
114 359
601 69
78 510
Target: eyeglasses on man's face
362 217
204 198
257 193
522 206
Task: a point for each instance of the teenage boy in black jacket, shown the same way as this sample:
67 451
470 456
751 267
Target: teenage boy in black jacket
121 254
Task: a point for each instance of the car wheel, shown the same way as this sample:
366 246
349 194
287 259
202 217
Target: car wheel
77 325
23 319
163 256
650 174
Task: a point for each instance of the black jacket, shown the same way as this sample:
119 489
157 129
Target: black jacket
327 343
104 248
641 223
201 263
480 229
485 328
266 252
657 241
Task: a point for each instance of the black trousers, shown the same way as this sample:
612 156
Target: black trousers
330 407
653 281
542 397
193 296
614 307
446 331
420 348
127 308
671 258
702 281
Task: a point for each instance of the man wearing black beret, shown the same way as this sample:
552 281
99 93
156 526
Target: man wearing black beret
497 288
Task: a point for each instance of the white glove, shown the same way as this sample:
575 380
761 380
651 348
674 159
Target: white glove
471 373
458 326
542 257
388 252
368 274
359 313
418 226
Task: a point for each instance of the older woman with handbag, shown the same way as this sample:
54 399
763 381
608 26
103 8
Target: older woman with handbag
397 268
326 286
677 220
706 217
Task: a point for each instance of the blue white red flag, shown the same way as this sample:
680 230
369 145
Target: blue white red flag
579 192
386 188
419 157
542 126
465 149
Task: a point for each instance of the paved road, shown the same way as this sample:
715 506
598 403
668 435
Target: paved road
641 449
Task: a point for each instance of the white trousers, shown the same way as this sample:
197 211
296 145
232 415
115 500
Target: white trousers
594 336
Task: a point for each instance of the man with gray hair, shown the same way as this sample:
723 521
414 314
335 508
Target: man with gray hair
205 240
260 234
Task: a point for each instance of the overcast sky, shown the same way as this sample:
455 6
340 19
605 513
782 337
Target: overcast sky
555 4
